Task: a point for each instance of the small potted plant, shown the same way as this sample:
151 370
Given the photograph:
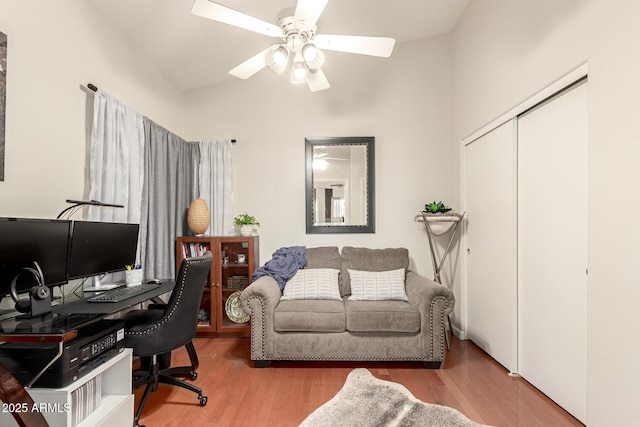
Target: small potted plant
439 216
246 223
436 208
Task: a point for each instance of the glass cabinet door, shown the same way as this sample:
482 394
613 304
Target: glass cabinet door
237 264
197 246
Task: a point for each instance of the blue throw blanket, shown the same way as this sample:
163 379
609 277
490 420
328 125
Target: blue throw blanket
283 265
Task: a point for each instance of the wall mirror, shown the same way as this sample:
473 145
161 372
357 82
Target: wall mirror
340 185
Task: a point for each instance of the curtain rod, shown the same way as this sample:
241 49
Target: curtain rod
95 88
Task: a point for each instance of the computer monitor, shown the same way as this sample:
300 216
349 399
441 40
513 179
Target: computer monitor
101 247
23 241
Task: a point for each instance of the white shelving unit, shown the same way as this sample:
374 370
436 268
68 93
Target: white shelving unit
116 403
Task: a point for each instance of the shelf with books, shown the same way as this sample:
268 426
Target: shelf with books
192 249
235 258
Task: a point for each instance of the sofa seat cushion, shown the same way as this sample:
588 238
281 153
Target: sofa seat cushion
382 316
310 316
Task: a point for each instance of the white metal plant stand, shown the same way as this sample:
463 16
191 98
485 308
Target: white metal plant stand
440 225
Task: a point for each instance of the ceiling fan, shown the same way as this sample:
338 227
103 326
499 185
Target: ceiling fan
299 41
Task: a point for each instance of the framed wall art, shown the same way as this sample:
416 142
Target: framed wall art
3 97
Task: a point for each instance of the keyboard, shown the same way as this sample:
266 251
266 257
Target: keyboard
124 293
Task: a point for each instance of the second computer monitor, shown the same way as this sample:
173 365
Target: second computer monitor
101 247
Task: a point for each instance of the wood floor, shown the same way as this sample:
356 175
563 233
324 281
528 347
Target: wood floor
285 393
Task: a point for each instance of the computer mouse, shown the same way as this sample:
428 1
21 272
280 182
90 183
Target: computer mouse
154 281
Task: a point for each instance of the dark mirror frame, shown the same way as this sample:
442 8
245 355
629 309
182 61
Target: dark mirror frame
368 142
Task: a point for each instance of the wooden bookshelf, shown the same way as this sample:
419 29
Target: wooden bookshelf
228 276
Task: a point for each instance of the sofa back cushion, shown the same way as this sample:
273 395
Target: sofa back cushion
324 257
366 259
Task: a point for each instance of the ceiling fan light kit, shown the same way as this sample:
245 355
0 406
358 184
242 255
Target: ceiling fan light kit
278 58
298 32
313 57
299 71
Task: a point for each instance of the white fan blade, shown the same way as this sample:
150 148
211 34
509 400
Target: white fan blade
252 65
375 46
217 12
317 81
308 12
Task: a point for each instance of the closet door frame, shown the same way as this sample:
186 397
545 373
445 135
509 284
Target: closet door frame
569 79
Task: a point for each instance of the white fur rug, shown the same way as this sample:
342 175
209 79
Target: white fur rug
365 400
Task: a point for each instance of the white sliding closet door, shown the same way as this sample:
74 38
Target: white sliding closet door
490 203
552 248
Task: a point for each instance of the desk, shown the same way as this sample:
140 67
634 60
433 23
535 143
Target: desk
62 325
63 322
81 306
66 319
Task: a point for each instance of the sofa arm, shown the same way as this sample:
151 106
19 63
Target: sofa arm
259 300
435 302
421 290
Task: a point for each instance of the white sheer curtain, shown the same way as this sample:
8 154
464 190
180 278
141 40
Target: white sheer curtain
116 160
216 184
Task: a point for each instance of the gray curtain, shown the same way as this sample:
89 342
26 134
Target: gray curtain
171 171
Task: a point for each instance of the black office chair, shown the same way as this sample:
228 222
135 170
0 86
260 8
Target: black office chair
164 361
153 333
186 371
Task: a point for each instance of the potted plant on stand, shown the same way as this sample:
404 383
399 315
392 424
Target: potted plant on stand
439 217
438 220
246 223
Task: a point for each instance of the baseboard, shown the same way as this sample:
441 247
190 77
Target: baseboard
459 333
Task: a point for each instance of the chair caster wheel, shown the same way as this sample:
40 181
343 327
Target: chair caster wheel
203 400
194 375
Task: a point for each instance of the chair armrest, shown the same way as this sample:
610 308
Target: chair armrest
259 300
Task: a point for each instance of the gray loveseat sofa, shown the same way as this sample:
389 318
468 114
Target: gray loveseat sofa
330 330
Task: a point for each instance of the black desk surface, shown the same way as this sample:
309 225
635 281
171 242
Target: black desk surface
65 319
81 306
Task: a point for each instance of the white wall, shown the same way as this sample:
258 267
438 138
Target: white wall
403 101
504 52
55 48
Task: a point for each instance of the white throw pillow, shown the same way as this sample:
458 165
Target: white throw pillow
313 283
377 285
